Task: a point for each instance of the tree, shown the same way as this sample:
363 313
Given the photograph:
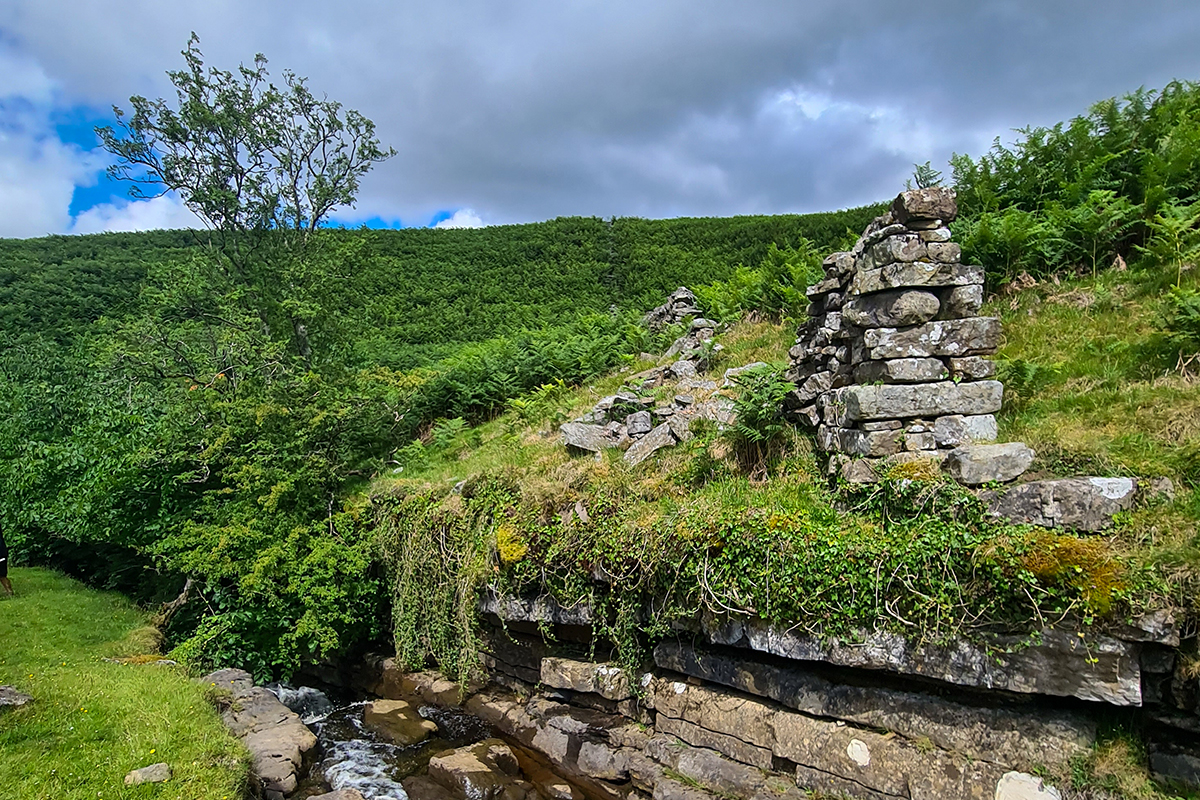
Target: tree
263 167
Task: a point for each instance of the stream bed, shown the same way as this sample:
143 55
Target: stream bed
349 755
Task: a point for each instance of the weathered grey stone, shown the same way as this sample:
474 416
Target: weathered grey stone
882 425
1022 786
904 247
951 337
936 202
155 773
1082 504
680 304
709 769
901 370
947 252
1175 766
648 445
956 430
682 369
963 301
838 758
984 463
919 441
1015 736
814 387
914 274
972 368
539 609
870 444
857 470
639 423
941 234
1159 627
891 309
606 680
583 436
872 237
899 401
727 745
418 787
839 264
11 698
1061 664
398 722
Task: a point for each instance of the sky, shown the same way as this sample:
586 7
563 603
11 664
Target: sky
504 112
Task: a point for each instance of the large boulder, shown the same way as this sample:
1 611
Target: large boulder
398 722
488 770
1082 504
987 463
932 203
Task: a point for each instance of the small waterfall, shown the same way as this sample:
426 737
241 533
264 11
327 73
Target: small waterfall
310 704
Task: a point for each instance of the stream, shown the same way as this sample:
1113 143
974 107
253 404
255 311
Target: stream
351 756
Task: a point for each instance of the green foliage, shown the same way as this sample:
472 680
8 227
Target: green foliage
775 288
924 176
759 426
1182 320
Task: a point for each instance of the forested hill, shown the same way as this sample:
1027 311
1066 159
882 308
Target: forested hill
412 296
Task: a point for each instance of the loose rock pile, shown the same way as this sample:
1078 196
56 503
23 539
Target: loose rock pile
679 306
890 367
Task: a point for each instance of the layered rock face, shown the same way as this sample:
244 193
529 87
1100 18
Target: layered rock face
891 365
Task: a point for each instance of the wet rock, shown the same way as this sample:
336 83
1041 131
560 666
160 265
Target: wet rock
398 722
354 794
935 202
1082 504
901 370
891 309
11 698
485 771
899 401
652 442
155 773
985 463
953 337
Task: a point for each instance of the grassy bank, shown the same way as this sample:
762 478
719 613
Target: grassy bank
93 720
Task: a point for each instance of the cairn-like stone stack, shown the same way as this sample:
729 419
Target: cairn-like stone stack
890 366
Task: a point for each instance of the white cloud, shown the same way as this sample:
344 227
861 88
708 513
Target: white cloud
158 213
463 218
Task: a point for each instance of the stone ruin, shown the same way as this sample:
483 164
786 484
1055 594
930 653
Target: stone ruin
890 367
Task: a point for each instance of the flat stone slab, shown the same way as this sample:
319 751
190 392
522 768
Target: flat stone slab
947 337
901 370
898 401
1081 504
1063 664
584 436
155 773
987 463
606 680
398 722
11 698
655 440
537 609
913 274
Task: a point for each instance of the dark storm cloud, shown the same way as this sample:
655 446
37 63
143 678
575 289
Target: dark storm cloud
529 110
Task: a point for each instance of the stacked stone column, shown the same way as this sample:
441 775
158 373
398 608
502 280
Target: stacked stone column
890 364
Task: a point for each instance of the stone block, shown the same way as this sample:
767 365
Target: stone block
652 442
398 722
891 309
962 302
583 436
956 430
900 401
915 442
868 444
941 234
901 370
952 337
1007 735
914 274
902 248
984 463
1081 504
971 368
726 745
1063 664
606 680
639 423
946 252
935 202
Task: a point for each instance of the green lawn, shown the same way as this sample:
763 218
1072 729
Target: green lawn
94 720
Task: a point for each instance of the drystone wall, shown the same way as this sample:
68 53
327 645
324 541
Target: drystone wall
890 367
739 709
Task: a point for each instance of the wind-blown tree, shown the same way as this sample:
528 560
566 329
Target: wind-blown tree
262 165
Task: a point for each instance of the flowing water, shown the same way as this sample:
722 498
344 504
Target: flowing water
350 756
